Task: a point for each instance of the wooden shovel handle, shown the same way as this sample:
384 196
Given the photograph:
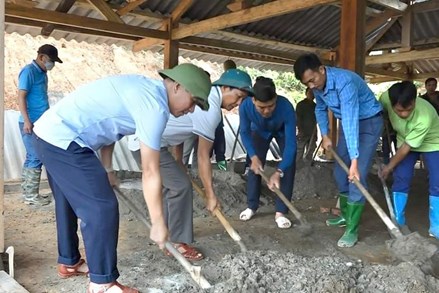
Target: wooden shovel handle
194 271
217 212
387 221
288 203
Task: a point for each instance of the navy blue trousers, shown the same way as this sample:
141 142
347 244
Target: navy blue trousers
261 146
82 191
219 144
403 173
369 133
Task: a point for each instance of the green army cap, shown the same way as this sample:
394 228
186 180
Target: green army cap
194 79
236 78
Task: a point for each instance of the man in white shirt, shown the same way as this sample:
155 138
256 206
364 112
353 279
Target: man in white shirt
93 118
227 93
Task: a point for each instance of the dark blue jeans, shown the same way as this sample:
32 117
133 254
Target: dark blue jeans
403 173
261 146
369 133
81 190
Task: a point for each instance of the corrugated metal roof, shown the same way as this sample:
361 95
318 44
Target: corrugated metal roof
317 27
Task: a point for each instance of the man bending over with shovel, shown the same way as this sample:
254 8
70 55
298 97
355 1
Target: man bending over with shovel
417 127
262 118
227 93
93 118
347 95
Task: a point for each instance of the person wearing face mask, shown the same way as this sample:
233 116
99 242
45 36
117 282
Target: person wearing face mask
226 93
33 102
351 101
262 118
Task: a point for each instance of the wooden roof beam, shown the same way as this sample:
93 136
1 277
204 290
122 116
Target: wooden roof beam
425 6
381 19
106 11
407 28
91 24
404 56
130 7
256 13
63 6
176 15
370 43
234 54
393 4
237 5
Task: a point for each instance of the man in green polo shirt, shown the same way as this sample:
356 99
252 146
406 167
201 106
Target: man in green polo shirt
417 127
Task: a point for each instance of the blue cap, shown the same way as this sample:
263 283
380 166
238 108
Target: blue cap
237 79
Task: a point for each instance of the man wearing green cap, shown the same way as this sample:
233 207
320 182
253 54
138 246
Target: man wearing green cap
93 118
227 93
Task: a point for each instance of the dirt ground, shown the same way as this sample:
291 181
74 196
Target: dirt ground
277 260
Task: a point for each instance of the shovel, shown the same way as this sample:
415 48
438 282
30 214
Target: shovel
413 247
194 271
305 228
232 232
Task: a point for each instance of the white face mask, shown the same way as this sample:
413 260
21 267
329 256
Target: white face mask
49 65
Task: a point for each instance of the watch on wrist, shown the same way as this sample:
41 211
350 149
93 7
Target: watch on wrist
281 173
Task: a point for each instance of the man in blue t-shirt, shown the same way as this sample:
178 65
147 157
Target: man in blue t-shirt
262 118
33 102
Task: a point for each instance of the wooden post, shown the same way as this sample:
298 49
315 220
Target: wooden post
170 48
2 119
352 44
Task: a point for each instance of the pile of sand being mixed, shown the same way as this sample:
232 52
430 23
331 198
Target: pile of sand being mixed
268 271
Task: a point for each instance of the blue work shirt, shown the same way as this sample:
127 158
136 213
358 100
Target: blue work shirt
102 112
33 80
347 95
282 123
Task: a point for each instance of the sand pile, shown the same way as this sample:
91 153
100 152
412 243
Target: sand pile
268 271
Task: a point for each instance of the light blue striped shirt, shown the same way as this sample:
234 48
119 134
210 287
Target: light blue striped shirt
347 95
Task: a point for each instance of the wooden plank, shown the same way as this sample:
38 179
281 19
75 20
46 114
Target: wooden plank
404 56
232 54
426 6
273 43
407 28
238 47
130 7
106 11
238 5
383 72
178 12
268 10
381 19
82 22
9 285
370 43
63 6
181 8
170 51
393 4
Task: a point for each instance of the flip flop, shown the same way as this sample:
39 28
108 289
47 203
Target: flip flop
282 222
246 215
65 271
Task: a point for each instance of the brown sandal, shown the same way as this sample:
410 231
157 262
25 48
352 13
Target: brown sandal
189 252
65 271
124 289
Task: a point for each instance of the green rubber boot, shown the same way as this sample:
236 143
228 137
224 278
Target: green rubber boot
222 165
340 221
350 236
31 187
